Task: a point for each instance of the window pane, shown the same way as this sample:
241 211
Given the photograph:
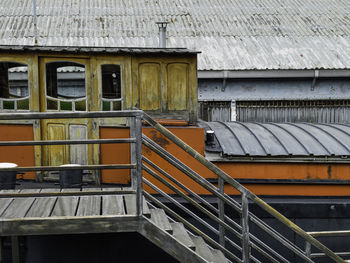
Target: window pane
13 80
111 82
52 105
117 105
23 104
106 105
9 105
66 105
65 80
80 105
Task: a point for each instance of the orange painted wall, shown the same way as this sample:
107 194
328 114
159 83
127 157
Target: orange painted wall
194 136
118 153
21 155
290 171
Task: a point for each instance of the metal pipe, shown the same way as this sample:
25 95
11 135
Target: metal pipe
162 33
221 206
70 115
63 168
7 194
194 203
62 142
245 229
138 171
339 233
182 207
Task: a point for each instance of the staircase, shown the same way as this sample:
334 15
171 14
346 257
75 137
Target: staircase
224 239
186 225
195 244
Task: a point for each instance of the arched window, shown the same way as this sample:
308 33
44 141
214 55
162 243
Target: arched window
65 86
111 88
14 91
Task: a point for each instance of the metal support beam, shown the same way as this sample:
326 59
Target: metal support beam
221 206
245 229
138 170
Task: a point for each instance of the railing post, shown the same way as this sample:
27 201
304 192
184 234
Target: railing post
138 159
245 229
308 249
221 207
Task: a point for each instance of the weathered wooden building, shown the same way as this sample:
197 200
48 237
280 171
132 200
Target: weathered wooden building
259 61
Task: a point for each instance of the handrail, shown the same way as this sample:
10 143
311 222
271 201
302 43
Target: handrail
135 141
241 189
338 233
215 210
227 199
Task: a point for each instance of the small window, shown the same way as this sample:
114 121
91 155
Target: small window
111 88
65 86
14 91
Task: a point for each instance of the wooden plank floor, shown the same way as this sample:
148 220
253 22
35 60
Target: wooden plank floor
66 214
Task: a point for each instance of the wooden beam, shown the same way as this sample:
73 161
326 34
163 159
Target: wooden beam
68 225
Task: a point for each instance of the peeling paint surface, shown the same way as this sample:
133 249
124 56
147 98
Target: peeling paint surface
232 34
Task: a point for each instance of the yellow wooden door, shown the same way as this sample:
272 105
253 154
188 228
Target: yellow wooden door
65 87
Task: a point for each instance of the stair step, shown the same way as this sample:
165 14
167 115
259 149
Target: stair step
180 233
159 217
202 249
146 210
219 256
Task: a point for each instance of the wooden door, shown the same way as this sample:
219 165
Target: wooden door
65 87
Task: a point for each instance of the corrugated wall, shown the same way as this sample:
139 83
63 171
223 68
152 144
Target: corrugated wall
335 111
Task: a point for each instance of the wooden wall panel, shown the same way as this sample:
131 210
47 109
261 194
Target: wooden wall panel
56 153
177 86
150 86
78 153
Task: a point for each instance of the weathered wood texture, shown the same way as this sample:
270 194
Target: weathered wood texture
68 214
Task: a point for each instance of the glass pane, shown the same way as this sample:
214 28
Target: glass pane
111 81
9 105
117 105
65 80
52 105
23 104
106 106
13 80
66 105
80 105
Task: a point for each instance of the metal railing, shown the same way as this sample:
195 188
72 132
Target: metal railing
339 233
234 239
227 226
134 119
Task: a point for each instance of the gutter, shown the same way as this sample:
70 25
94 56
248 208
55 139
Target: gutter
241 74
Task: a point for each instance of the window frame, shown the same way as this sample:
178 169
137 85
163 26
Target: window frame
16 100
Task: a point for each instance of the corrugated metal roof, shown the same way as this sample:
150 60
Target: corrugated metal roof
85 49
280 139
232 34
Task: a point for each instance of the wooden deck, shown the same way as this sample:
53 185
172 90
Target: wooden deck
67 214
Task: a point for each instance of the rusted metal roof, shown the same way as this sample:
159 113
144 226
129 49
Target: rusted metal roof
232 34
279 139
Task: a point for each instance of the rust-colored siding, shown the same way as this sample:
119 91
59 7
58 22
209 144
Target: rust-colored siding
21 155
